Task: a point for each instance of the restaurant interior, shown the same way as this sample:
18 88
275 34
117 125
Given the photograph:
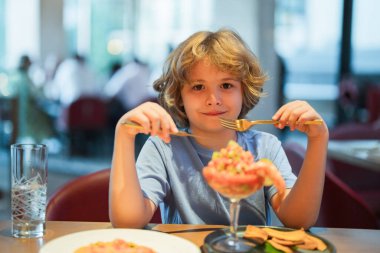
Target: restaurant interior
322 51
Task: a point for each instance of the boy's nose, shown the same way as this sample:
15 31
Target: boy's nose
213 99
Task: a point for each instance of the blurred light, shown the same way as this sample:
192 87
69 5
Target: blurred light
7 127
115 46
4 87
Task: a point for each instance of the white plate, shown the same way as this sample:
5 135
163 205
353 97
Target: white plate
158 241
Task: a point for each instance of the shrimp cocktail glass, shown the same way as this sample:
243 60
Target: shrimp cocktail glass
234 174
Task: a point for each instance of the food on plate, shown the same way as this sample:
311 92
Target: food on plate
320 244
284 240
255 233
234 173
309 244
115 246
280 247
287 242
294 235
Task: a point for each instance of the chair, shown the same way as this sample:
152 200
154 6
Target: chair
86 124
373 102
87 113
341 201
295 153
363 181
341 207
84 199
355 130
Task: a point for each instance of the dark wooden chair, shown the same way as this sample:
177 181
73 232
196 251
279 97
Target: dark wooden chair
84 199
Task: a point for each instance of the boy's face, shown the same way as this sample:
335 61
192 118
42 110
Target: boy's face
209 95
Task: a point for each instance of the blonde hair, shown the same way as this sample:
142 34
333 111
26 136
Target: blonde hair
227 51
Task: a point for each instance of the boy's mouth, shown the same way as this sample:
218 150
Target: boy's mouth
214 113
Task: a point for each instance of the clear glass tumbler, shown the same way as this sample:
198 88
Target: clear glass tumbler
28 187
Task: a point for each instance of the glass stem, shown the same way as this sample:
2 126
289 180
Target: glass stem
234 217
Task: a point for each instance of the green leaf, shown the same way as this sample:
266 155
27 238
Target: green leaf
270 249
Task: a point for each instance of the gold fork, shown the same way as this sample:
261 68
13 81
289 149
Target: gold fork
242 125
137 126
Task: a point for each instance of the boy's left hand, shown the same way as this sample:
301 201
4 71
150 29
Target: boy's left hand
294 113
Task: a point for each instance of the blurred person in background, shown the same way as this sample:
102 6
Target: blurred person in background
115 66
51 64
127 88
74 78
33 124
130 85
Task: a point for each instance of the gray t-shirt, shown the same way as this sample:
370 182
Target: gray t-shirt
171 176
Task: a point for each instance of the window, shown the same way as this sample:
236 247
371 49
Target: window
2 33
365 37
144 29
307 38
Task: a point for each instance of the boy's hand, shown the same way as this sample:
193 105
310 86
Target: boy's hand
153 118
293 114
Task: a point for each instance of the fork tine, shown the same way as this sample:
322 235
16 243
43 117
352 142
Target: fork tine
231 124
229 127
227 121
227 124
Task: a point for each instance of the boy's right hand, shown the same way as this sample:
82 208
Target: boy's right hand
152 117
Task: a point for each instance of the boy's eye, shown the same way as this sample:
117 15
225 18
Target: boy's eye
226 85
197 87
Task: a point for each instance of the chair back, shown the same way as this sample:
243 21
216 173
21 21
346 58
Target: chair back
362 180
84 199
373 102
295 153
87 113
354 130
85 125
341 206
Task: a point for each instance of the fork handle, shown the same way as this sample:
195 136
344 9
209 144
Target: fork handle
308 122
313 122
179 133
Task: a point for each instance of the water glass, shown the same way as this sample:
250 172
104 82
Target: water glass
28 189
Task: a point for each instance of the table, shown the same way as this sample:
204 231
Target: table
345 240
363 153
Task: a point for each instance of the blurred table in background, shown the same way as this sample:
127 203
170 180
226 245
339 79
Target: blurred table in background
362 153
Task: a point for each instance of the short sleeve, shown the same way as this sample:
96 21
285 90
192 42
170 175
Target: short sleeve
277 155
151 172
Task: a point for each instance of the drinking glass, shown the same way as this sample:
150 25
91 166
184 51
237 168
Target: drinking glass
28 189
